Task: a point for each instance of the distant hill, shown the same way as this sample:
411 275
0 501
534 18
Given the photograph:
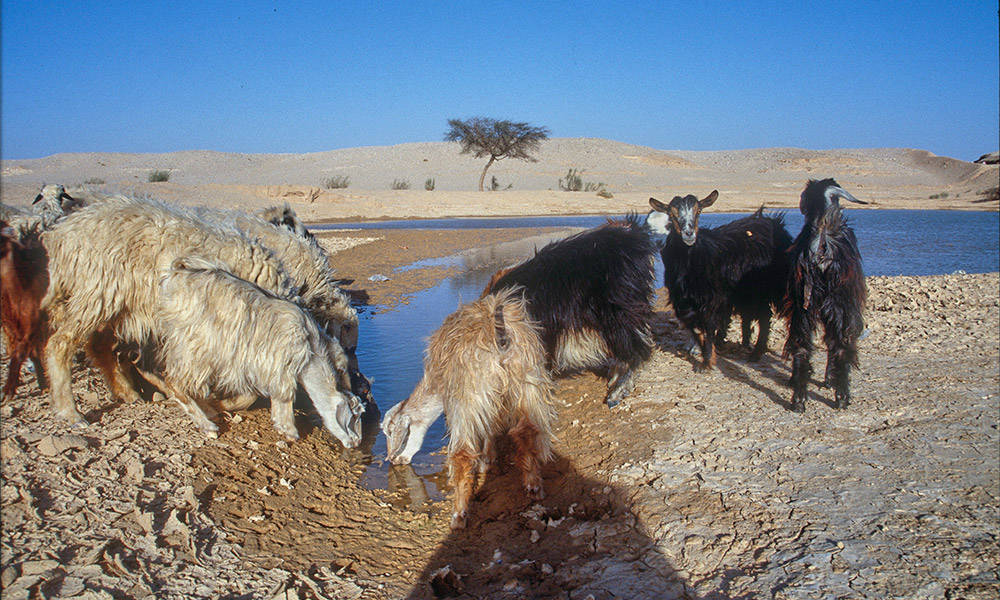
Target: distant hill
621 166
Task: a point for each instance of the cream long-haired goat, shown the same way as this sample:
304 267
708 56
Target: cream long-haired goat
308 268
485 368
224 335
105 263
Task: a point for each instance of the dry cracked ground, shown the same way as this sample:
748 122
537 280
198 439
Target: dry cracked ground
697 486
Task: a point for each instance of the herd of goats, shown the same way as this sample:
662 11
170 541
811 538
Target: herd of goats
217 308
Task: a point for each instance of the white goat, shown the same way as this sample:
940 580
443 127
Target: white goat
105 264
222 334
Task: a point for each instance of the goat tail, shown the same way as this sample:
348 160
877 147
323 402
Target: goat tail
499 327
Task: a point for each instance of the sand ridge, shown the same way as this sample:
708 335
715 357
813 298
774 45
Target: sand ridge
888 177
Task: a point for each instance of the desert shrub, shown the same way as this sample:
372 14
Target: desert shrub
400 184
495 185
572 182
158 176
337 182
429 185
940 196
605 192
94 181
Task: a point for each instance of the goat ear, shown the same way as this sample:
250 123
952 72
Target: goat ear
709 200
833 192
658 206
37 198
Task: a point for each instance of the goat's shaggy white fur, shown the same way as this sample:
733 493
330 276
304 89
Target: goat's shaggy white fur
308 269
105 262
485 368
222 334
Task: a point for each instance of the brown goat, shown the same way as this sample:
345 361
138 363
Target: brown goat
23 281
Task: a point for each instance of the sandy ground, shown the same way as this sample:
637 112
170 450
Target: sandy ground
887 177
695 487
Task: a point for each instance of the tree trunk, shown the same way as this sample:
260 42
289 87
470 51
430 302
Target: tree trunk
483 176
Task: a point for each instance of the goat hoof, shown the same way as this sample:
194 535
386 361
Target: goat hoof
756 356
799 407
75 419
459 520
612 402
842 403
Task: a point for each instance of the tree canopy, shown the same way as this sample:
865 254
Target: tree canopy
481 136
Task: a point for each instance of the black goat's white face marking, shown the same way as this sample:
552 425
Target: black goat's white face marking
684 214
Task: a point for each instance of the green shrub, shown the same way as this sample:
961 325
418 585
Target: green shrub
495 184
605 192
337 182
572 182
158 176
400 184
94 181
429 185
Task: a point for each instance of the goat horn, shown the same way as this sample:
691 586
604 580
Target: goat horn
834 192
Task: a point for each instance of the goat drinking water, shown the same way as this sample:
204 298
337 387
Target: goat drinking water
485 369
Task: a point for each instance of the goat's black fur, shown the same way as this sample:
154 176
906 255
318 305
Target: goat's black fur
709 273
826 285
592 295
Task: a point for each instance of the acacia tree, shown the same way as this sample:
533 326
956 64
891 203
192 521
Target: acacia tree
481 137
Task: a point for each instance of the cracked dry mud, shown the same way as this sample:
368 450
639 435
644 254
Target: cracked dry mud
697 486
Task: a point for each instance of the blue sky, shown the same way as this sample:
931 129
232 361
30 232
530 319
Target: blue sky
307 77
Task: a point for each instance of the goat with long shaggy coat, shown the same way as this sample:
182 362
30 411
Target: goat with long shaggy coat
307 265
105 262
284 216
592 295
23 281
485 368
741 265
224 335
827 285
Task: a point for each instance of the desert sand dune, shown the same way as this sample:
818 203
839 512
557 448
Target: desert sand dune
890 177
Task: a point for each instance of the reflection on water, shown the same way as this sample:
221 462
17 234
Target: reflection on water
390 352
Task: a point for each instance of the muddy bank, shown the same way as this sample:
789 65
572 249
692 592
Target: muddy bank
696 487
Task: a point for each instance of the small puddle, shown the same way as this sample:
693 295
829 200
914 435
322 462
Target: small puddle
391 350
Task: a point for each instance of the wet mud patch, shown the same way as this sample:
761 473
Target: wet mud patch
295 506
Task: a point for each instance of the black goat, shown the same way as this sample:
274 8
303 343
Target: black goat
827 285
709 273
592 295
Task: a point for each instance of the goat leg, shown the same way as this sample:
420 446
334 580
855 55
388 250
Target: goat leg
839 373
13 372
763 335
620 384
526 438
707 351
461 465
801 370
745 321
58 354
